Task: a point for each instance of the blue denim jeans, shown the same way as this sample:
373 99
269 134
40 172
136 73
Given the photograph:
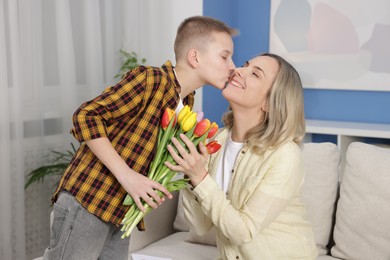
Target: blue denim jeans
77 234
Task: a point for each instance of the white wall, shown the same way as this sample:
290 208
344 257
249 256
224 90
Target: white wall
152 35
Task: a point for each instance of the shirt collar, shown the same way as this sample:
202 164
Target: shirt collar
168 68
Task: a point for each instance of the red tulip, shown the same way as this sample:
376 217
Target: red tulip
213 130
167 117
213 147
202 127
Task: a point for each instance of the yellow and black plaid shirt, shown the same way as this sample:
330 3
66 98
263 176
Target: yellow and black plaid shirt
128 114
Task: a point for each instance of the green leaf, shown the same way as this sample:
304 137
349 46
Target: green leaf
129 61
56 166
39 174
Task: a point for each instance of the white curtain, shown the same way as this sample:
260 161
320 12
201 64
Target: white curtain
54 55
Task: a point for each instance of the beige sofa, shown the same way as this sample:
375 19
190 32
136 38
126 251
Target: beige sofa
358 229
350 212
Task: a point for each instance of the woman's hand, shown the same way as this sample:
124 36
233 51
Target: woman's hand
191 163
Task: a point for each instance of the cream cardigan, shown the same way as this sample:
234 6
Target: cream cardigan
261 216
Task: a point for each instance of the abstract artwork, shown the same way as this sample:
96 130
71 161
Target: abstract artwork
334 44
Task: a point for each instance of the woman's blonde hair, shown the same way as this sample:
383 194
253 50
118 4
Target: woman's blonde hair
285 119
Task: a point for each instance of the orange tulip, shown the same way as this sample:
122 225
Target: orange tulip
167 117
213 130
213 147
202 127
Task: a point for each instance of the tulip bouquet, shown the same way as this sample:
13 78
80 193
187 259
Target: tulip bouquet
197 130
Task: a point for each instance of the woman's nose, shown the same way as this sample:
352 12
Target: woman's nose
238 72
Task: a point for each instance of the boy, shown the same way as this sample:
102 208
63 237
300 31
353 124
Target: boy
118 132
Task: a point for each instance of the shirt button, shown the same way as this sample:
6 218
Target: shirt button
237 257
233 171
242 152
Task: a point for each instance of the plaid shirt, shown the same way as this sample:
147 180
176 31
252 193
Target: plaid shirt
128 114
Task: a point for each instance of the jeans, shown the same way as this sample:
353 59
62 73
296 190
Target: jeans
77 234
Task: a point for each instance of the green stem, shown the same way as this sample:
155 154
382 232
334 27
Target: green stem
202 138
134 215
161 148
160 134
162 174
135 221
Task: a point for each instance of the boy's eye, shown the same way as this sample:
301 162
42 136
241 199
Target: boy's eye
254 73
223 57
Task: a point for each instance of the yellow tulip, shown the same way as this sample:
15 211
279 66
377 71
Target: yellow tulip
183 113
188 122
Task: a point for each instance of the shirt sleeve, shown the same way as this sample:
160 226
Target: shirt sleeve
198 221
92 118
274 192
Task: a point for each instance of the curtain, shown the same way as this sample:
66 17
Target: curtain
54 55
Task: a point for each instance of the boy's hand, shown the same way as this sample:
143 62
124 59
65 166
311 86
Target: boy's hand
141 187
138 186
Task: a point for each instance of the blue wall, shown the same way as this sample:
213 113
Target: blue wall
252 18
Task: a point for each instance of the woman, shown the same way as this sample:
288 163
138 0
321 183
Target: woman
250 190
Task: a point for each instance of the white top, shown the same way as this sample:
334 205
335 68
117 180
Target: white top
179 106
180 103
226 164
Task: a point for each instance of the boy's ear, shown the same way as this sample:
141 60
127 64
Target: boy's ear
192 57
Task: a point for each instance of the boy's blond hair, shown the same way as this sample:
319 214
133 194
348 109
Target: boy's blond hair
195 32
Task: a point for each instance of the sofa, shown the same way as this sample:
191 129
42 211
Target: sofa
349 211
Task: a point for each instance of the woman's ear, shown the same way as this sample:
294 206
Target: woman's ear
192 57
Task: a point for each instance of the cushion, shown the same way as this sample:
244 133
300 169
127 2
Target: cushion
363 211
319 191
180 223
175 247
326 257
208 239
158 224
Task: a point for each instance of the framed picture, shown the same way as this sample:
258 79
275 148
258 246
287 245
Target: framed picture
334 44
